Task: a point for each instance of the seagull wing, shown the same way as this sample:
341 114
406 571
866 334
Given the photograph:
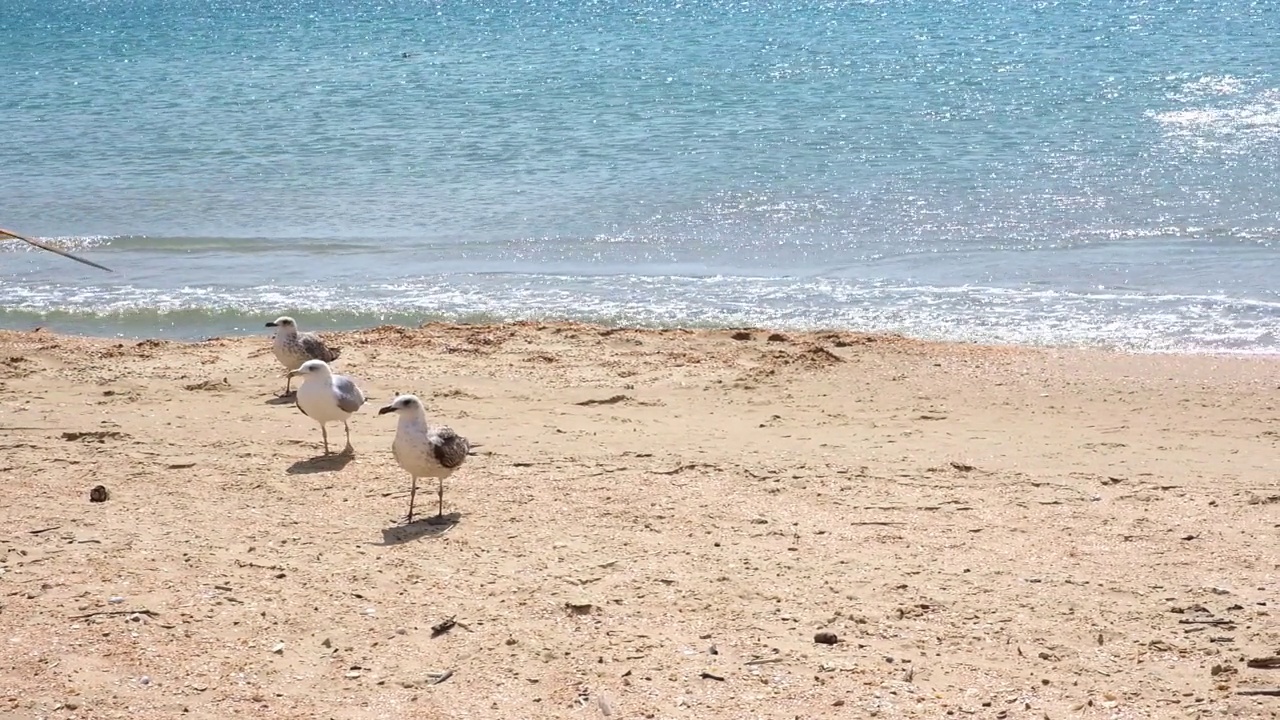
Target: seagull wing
449 448
52 249
316 349
350 398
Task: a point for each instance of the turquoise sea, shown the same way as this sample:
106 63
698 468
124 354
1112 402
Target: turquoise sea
1102 172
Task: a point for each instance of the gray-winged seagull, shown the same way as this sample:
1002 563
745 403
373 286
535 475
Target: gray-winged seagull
326 397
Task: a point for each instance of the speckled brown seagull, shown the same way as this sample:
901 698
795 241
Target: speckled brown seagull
293 348
424 449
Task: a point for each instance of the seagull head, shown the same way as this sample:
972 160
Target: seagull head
285 323
319 368
404 404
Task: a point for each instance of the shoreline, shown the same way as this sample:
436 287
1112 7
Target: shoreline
816 334
1022 527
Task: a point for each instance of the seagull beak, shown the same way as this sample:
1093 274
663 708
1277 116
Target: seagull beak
294 373
387 409
271 324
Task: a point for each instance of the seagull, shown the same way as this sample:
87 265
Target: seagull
293 348
423 449
325 397
52 249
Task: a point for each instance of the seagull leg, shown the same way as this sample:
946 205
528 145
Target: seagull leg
325 434
439 519
348 448
413 491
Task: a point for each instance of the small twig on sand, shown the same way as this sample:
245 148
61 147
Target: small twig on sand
877 522
1209 621
1265 663
1272 693
242 563
763 661
439 677
682 468
387 493
150 613
710 676
44 530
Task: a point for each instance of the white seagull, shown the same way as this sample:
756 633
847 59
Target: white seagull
326 397
293 348
423 449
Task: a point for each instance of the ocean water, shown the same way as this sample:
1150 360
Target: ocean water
1098 172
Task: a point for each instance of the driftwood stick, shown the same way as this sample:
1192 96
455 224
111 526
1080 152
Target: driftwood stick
149 613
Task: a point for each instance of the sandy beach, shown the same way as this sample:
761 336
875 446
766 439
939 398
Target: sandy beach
656 526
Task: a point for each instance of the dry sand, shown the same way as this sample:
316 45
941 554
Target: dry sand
656 527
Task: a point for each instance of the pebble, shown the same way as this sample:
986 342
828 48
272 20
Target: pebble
369 611
145 680
353 674
115 600
278 649
826 637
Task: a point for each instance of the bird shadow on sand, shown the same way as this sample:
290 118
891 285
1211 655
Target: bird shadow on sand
321 463
430 527
281 399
